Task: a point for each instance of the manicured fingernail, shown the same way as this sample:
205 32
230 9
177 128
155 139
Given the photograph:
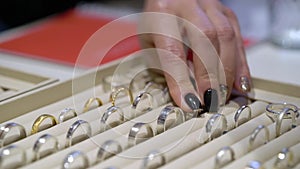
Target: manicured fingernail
211 100
245 84
192 101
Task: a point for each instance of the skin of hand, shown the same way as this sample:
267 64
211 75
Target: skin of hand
209 33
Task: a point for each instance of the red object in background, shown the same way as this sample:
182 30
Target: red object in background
61 38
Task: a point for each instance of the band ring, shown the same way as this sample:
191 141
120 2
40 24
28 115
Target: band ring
74 127
109 111
10 151
87 105
39 120
74 156
150 157
274 109
239 112
4 130
115 94
132 140
254 165
65 113
281 117
285 159
211 122
255 133
138 99
161 121
46 138
150 86
104 151
220 155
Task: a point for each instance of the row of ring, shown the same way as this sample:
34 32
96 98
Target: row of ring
132 136
69 113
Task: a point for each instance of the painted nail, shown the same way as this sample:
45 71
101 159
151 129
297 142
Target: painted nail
192 101
211 100
245 84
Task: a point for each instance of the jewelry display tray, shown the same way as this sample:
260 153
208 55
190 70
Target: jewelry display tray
14 83
43 100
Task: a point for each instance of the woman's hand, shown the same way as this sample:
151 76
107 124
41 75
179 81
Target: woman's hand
207 31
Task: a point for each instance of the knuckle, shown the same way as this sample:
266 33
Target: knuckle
229 12
174 50
226 33
211 33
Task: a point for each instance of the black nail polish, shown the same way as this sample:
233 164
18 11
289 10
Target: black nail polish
211 100
192 101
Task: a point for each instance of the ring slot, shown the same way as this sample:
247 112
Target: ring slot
87 129
162 124
220 155
134 131
239 112
12 151
42 141
108 113
255 133
7 128
73 157
66 114
148 162
106 152
88 103
211 123
116 93
40 119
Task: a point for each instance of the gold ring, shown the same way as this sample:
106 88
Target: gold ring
39 120
90 101
114 95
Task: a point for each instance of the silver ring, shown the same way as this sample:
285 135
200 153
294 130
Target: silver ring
254 165
220 155
255 133
104 151
223 94
281 117
239 112
274 109
4 130
74 156
132 137
152 85
109 111
150 157
285 159
66 114
161 121
12 150
74 127
139 98
211 122
46 138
